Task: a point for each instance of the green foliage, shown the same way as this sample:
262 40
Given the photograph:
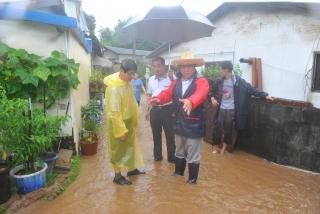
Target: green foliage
96 82
91 23
142 65
3 210
118 38
75 171
91 115
25 75
238 70
51 178
91 111
211 72
96 76
26 134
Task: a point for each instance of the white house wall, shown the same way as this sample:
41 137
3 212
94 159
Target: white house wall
42 40
80 96
38 39
283 40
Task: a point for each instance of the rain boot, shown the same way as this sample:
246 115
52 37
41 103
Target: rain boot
180 164
193 172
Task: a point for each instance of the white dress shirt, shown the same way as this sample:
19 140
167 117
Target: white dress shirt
185 85
157 85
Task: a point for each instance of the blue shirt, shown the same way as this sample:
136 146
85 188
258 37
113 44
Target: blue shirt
137 86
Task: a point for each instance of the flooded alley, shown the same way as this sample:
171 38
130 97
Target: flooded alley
233 183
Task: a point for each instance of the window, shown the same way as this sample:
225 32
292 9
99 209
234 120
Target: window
316 72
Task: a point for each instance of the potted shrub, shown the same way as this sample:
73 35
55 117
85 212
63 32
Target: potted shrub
4 165
91 115
27 135
96 84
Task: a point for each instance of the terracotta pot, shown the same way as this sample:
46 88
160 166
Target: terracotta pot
89 148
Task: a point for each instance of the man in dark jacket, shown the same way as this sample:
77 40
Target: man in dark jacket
230 95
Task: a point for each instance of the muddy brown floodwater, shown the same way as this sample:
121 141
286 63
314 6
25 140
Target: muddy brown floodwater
233 183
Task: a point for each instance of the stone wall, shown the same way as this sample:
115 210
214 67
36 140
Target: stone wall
284 134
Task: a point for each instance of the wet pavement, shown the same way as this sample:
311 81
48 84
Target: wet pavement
231 183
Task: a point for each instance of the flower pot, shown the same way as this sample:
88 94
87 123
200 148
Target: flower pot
50 158
89 148
5 183
31 182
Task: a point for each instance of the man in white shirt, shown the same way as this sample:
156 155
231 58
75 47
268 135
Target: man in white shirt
160 115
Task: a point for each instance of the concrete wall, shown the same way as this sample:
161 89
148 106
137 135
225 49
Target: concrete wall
80 96
35 38
42 40
283 134
284 40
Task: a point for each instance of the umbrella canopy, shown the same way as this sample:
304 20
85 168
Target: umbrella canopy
169 24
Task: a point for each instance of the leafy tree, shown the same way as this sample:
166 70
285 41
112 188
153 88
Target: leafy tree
44 80
118 38
91 23
106 36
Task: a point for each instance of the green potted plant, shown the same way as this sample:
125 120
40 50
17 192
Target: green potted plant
5 165
91 115
27 134
96 82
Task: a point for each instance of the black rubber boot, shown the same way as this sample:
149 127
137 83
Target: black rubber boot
135 172
180 164
193 172
120 180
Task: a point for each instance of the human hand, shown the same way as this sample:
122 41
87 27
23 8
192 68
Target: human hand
187 105
214 102
270 98
123 137
154 101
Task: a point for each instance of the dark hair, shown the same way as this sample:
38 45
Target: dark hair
159 59
226 65
128 65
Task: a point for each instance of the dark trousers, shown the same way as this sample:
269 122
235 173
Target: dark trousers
161 118
229 131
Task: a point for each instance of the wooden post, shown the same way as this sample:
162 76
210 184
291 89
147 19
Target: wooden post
259 74
254 72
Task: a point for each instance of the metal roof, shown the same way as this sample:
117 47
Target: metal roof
124 51
228 6
280 6
49 6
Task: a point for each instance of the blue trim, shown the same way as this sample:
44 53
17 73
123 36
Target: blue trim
7 12
89 45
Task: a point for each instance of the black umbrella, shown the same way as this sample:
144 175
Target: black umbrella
169 24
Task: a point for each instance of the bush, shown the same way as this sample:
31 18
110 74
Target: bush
44 80
25 133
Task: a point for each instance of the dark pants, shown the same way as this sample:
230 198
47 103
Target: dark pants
161 118
229 132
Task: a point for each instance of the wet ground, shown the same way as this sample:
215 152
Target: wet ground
231 183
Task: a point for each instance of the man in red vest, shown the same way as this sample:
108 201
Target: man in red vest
188 94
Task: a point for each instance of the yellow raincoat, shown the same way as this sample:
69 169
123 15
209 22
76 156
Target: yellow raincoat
122 118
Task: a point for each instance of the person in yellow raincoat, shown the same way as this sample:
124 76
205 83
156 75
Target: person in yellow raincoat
122 122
